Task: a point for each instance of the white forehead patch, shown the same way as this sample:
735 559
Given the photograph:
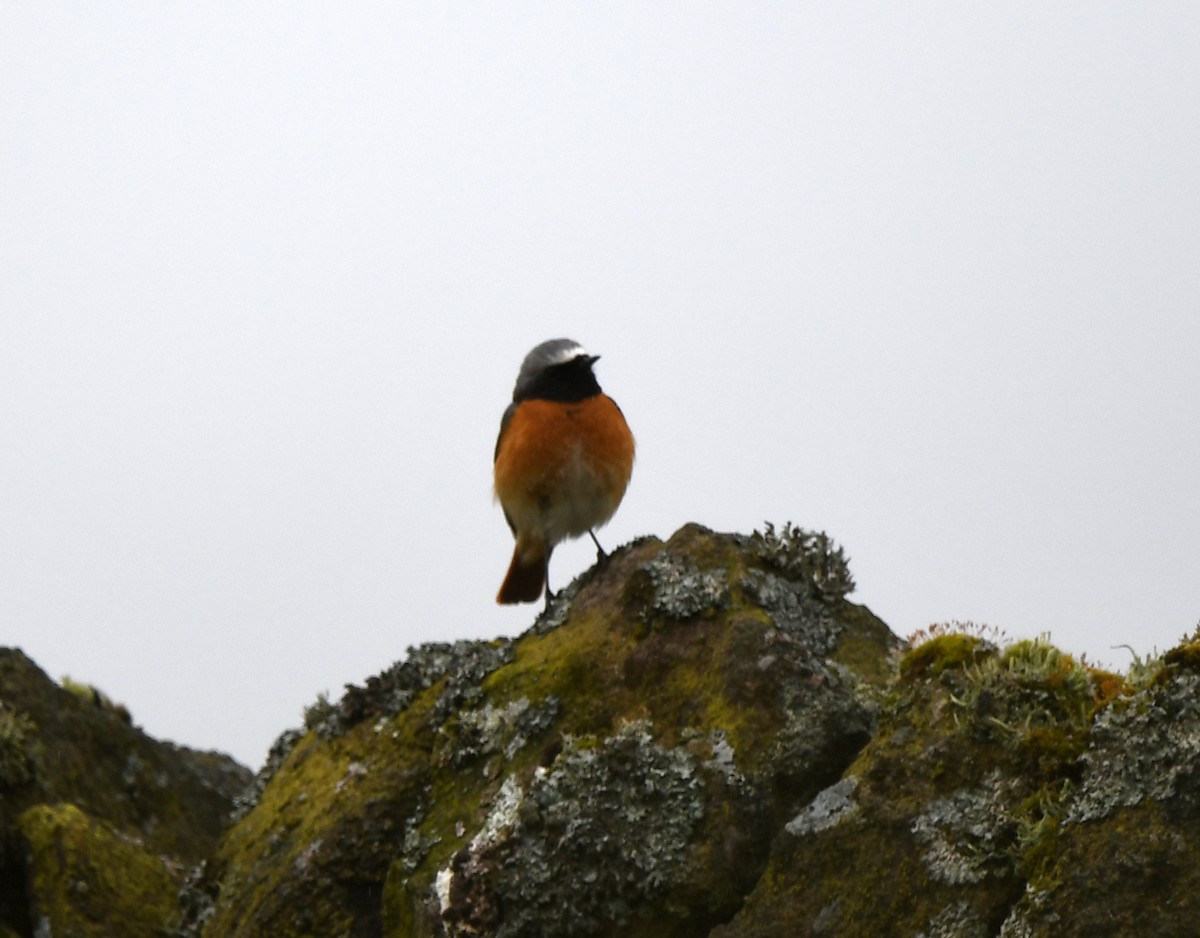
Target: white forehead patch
547 355
567 353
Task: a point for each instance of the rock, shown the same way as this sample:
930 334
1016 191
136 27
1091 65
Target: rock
622 767
700 737
98 822
1010 792
88 880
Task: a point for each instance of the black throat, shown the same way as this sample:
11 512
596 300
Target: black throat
566 383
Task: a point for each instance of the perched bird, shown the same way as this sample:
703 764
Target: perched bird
562 462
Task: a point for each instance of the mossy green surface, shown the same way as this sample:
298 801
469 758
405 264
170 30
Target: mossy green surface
700 737
17 735
86 880
124 807
1008 791
673 708
85 753
310 857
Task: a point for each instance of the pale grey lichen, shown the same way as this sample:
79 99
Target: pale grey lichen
502 817
1016 925
304 860
284 743
1147 747
829 808
794 608
957 920
967 835
682 590
415 845
462 665
617 815
558 610
722 761
808 555
490 729
196 904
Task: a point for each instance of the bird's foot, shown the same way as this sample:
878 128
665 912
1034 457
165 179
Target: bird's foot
601 554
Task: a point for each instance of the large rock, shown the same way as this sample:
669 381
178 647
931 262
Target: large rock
622 768
1010 792
98 822
701 737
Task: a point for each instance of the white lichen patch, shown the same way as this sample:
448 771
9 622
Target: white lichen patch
955 921
441 887
1016 925
794 607
354 771
1145 748
494 724
307 855
682 590
828 809
967 834
502 817
501 820
722 758
616 814
491 729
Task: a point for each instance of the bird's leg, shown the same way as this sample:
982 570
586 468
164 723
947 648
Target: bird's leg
600 554
549 593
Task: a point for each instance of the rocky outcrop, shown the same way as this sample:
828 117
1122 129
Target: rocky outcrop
98 822
623 767
700 737
1008 791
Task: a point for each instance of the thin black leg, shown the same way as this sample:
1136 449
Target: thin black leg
600 553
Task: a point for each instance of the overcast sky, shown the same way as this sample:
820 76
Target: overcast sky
925 276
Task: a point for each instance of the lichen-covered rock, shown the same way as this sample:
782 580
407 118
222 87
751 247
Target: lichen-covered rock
85 753
621 768
698 738
1127 850
1009 792
93 812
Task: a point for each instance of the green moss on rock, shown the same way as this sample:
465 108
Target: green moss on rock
944 652
86 879
1008 791
700 737
16 748
1184 656
175 799
93 812
622 767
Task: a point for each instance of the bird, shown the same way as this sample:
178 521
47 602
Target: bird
563 459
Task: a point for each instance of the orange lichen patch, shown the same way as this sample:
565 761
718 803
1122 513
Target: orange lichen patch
1106 687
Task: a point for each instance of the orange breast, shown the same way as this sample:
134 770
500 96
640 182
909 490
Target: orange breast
562 468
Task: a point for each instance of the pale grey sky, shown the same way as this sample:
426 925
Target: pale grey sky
923 275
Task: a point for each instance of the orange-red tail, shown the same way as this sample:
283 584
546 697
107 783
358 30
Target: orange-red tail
526 578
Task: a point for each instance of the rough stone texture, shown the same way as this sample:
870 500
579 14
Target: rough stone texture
98 822
1009 792
700 737
621 768
90 881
